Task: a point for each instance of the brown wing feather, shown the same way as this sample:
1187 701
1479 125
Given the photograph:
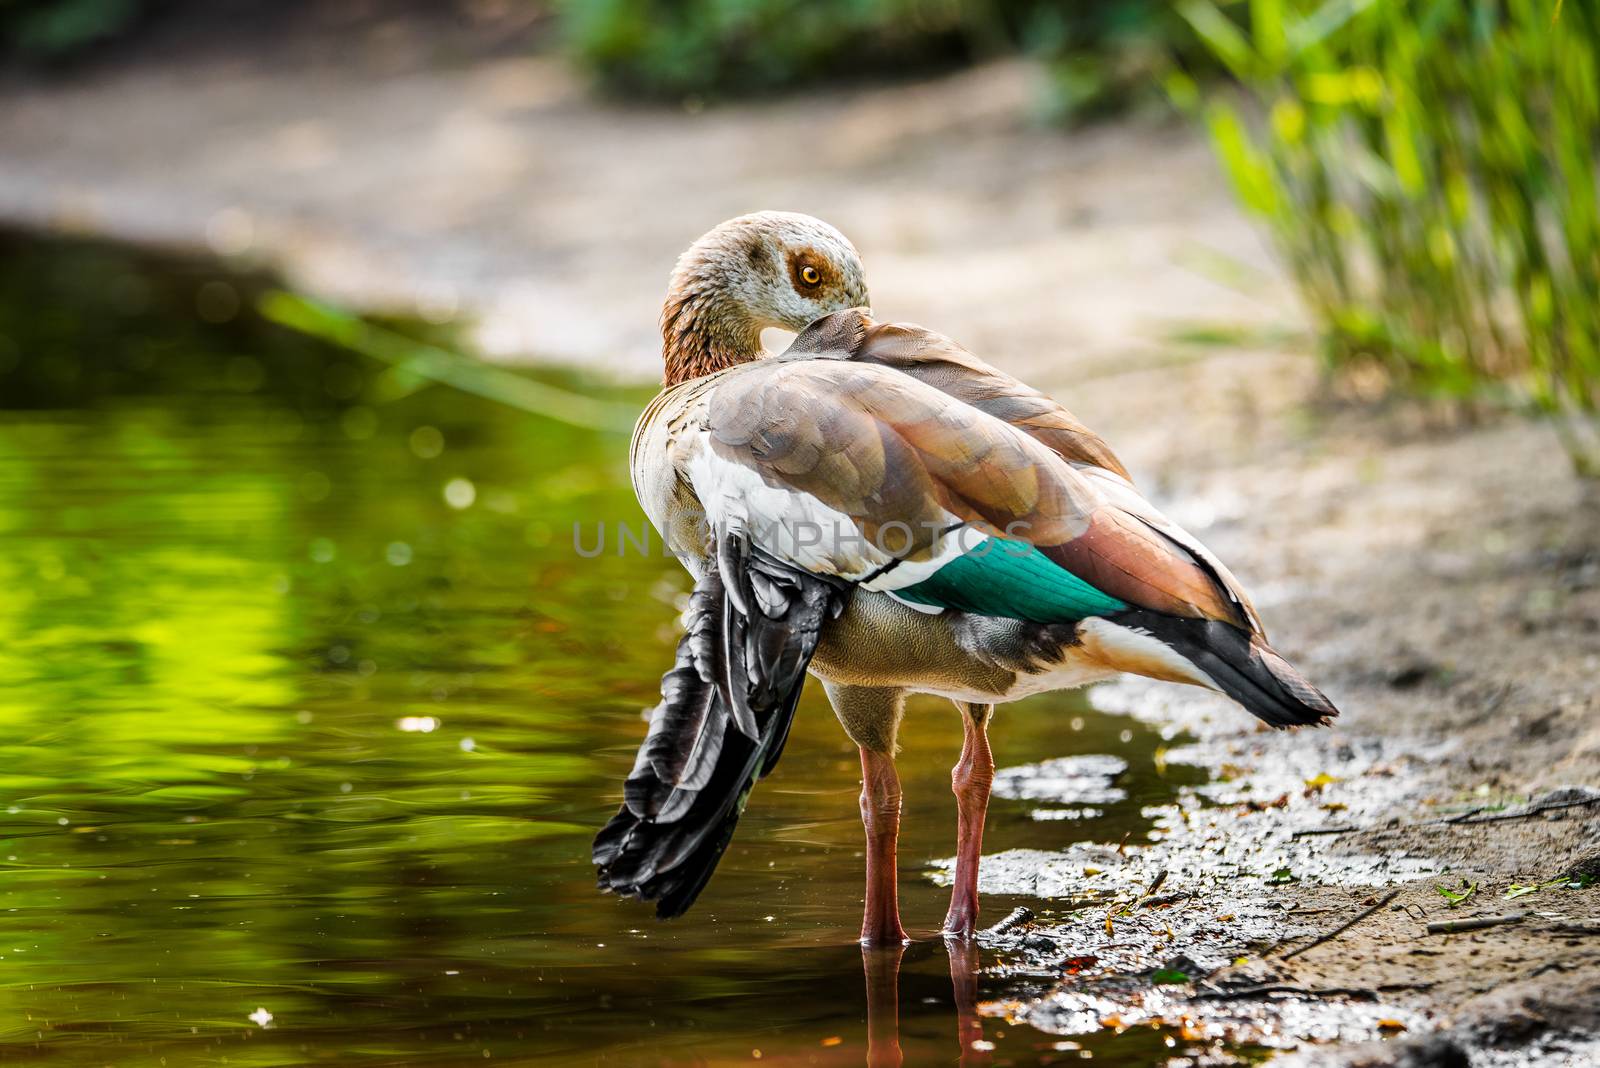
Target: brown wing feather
884 448
941 363
1118 555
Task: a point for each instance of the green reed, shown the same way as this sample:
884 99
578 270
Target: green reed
1427 170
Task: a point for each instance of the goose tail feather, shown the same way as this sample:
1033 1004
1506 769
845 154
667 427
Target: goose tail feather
1240 664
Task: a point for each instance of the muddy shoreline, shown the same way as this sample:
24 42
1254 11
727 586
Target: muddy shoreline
1442 583
1250 921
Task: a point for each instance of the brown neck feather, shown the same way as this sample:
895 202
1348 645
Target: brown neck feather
703 332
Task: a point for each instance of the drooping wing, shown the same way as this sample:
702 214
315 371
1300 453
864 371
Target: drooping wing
919 478
725 712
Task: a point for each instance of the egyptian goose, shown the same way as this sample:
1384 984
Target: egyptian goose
880 507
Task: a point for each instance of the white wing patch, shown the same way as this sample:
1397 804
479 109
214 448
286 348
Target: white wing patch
793 526
955 539
798 528
916 606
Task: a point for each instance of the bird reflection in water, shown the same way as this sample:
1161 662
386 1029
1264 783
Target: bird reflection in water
882 968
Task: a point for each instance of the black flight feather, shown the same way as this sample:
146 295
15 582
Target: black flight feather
1242 665
725 712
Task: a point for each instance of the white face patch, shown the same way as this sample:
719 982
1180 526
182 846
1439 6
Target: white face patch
748 261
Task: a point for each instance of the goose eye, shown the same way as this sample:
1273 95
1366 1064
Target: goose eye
810 275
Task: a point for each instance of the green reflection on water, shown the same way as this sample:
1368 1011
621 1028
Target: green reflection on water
282 726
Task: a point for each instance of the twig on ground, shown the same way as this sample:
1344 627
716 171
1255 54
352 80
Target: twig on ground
1343 927
1367 993
1477 923
1165 899
1313 832
1016 918
1528 813
1585 961
1127 907
1242 992
1092 901
1461 819
1155 884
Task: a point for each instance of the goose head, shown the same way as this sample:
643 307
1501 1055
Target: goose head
767 269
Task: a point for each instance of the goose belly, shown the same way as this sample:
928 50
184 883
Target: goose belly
1071 672
879 641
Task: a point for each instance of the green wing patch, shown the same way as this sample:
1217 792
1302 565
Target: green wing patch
1014 580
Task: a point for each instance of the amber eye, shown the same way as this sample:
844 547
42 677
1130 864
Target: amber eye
810 275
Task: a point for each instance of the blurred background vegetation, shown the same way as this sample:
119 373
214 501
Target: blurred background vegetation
1098 55
55 29
1426 168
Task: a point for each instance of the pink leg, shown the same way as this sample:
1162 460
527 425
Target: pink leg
970 779
880 814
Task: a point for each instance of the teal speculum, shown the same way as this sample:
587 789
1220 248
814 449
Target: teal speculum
1010 578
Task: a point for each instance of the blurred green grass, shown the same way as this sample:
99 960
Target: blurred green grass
54 28
1427 170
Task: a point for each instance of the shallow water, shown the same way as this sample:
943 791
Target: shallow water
309 705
